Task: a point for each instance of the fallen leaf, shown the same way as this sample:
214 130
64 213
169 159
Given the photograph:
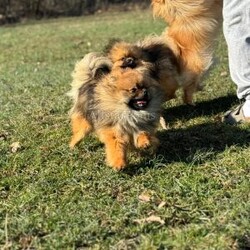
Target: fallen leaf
15 146
162 204
25 241
218 118
224 73
44 148
163 123
144 197
151 218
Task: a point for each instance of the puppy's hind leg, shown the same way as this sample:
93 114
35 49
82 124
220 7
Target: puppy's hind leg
80 128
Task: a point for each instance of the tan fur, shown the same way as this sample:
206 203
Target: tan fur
122 50
104 104
193 26
153 55
80 128
85 71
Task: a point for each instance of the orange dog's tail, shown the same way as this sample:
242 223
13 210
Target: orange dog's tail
87 71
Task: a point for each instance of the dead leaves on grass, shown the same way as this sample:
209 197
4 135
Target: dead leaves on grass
15 146
162 204
147 197
150 197
144 197
224 73
151 218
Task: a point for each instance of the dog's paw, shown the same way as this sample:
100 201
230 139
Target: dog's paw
147 143
72 144
143 141
117 164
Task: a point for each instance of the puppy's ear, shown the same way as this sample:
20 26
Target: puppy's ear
110 44
101 71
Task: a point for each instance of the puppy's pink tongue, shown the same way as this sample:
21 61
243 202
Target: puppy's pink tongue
141 103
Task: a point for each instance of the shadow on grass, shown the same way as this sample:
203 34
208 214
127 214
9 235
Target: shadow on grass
206 108
244 242
182 144
194 145
197 144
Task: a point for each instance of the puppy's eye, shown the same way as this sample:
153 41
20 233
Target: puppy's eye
133 90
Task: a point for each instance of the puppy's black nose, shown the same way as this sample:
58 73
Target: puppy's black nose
129 62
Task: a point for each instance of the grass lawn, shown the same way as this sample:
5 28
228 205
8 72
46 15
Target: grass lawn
193 194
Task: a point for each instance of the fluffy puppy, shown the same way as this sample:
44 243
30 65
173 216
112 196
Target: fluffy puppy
151 55
125 55
193 26
121 107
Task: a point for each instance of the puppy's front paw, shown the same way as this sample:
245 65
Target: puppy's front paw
143 141
72 144
117 164
147 142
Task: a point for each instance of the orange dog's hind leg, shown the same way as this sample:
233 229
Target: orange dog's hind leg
115 146
80 128
189 88
170 85
195 67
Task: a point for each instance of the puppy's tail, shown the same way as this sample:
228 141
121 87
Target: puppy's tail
88 71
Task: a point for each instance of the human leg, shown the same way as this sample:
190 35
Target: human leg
236 27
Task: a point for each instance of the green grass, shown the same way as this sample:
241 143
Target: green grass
54 198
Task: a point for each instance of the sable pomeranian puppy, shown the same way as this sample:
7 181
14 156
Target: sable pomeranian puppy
122 107
193 26
152 55
125 55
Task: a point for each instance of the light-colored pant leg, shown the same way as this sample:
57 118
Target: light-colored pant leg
236 27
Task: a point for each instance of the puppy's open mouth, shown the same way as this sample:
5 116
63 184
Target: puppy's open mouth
139 104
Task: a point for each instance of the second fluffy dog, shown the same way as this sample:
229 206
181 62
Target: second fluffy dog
122 107
193 28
